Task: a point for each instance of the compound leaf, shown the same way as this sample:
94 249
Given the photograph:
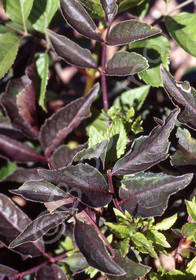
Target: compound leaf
6 271
124 63
37 228
94 250
147 151
146 194
130 31
13 221
71 52
9 45
64 155
75 14
82 181
16 151
58 126
182 95
186 150
40 191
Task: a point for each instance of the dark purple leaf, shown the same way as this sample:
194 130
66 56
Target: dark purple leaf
21 175
186 149
53 272
82 181
12 222
6 271
133 270
129 31
71 52
93 249
75 14
64 155
182 95
110 8
124 63
59 125
16 151
147 194
37 228
95 152
46 272
22 110
60 274
40 191
147 151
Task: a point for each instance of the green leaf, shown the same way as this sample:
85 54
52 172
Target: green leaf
166 223
150 49
42 65
123 246
191 208
146 194
95 152
191 266
120 231
7 169
75 14
18 10
124 5
93 7
130 31
76 262
147 151
59 125
189 231
42 14
95 137
157 238
93 249
132 98
82 181
133 270
41 191
182 28
71 52
143 244
39 227
186 149
124 63
182 95
9 45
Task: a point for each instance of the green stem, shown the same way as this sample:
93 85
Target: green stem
179 7
171 11
15 29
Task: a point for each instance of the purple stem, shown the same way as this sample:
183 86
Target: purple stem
34 269
115 199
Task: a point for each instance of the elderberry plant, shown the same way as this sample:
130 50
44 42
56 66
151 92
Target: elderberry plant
103 195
